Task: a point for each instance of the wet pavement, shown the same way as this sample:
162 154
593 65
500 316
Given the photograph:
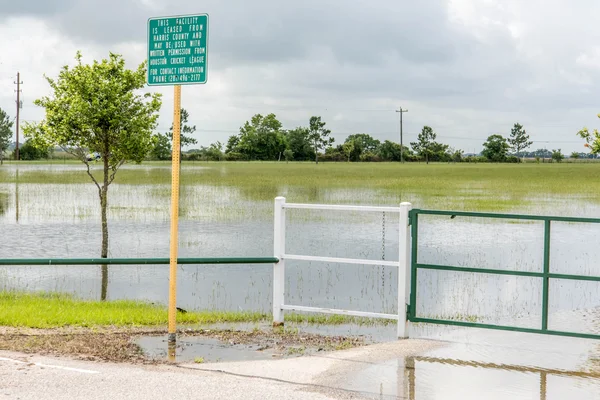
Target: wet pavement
467 364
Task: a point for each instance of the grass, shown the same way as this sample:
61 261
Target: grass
491 187
51 310
55 310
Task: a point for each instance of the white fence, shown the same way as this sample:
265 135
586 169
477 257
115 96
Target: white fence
403 264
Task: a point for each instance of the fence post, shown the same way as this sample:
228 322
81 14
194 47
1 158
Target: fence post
279 268
404 270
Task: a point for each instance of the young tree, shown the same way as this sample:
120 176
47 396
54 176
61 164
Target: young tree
424 143
186 131
575 155
348 148
318 136
5 133
496 148
288 155
557 155
519 139
97 108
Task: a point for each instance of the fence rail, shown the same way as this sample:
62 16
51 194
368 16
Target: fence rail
136 261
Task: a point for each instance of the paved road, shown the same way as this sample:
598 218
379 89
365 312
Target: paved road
332 376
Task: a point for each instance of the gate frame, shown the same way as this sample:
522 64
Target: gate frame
546 274
403 264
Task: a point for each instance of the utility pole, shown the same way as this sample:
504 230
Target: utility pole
401 111
19 105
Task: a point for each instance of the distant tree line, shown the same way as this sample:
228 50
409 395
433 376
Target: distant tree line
263 138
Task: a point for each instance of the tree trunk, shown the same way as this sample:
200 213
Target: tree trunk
104 288
316 156
103 207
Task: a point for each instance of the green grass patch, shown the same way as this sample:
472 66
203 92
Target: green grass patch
327 319
51 310
54 310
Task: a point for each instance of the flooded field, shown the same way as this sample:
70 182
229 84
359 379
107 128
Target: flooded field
56 218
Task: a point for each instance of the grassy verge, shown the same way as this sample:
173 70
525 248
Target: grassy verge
92 330
52 310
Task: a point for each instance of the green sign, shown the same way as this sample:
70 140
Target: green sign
177 50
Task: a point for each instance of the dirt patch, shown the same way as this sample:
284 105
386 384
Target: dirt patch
285 341
118 345
88 346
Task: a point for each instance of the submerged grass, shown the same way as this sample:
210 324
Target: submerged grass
54 310
481 186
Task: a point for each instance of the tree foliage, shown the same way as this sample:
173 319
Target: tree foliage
557 155
364 141
29 152
288 155
214 152
424 144
318 136
186 131
261 138
299 143
495 148
162 147
5 133
519 139
592 139
348 148
97 108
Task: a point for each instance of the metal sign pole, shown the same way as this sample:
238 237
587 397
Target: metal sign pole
177 55
174 224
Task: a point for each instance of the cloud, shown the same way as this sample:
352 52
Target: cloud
466 68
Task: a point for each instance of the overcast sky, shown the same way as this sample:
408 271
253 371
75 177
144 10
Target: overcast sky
467 68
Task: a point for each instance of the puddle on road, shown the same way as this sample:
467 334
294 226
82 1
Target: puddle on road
202 349
221 343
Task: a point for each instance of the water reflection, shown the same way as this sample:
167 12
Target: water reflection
476 364
3 203
17 196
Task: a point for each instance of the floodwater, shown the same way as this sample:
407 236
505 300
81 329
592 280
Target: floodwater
53 220
483 364
202 349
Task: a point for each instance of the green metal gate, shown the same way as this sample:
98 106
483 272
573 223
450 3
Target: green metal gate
546 274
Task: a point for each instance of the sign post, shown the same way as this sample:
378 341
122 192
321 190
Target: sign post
177 55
